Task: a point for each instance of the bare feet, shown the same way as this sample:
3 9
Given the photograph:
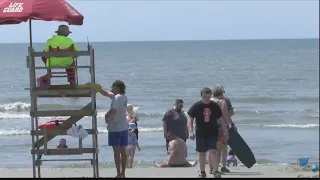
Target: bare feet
120 176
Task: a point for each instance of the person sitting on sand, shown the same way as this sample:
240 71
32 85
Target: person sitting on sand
62 144
232 159
61 42
177 153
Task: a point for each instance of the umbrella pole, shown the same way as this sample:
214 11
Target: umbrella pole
30 33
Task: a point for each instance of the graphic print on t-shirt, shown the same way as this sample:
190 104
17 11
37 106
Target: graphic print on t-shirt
206 113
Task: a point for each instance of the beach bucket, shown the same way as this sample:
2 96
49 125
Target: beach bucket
43 81
315 168
303 161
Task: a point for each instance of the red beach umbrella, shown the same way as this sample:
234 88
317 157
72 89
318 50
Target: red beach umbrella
17 11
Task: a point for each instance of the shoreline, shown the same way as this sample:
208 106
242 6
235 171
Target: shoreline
280 171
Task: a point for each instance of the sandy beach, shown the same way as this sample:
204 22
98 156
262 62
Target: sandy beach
258 171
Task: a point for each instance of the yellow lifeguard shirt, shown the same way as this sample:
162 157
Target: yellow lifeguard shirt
60 42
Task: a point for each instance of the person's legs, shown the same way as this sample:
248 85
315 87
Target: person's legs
133 148
114 141
224 155
211 144
128 152
71 73
131 155
128 149
202 149
219 149
122 148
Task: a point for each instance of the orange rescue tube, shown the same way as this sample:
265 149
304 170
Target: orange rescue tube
50 125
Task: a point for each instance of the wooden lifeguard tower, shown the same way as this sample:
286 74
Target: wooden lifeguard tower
59 91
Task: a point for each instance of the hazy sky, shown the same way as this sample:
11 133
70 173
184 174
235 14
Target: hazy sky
181 20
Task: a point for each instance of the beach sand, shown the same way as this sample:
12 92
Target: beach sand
259 171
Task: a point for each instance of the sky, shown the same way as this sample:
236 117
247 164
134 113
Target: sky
180 20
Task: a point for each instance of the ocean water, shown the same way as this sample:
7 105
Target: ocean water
273 85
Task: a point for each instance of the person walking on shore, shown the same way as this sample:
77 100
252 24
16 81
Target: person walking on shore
118 126
175 121
222 144
206 113
229 104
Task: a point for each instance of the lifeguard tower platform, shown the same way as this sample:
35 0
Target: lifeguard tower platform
40 145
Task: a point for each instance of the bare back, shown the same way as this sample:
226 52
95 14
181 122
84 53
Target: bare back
178 149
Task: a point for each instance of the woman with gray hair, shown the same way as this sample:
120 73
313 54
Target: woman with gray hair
222 146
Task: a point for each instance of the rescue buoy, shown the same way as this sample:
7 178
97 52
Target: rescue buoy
51 125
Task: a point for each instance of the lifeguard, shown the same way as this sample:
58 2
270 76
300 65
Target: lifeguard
61 42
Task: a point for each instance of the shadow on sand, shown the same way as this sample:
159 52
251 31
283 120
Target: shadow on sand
244 173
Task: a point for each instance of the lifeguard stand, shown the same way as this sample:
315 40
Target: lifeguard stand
59 91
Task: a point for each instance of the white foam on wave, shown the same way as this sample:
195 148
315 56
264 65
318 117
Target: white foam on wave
102 130
26 116
292 125
17 106
13 132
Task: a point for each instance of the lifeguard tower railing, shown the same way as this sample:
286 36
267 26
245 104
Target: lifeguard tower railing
59 91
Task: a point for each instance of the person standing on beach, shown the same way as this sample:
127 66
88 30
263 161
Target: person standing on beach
206 113
132 119
229 104
118 126
175 121
132 115
222 144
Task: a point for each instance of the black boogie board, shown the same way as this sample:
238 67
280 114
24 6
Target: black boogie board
241 149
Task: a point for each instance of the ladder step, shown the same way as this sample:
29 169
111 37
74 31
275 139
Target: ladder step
68 151
85 92
59 132
65 160
61 54
59 76
86 112
58 72
67 67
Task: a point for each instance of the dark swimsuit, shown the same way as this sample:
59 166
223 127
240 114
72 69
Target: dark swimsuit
187 164
136 131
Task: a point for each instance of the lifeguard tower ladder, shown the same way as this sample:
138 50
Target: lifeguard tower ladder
58 91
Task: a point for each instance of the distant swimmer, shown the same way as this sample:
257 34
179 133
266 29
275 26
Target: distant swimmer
177 153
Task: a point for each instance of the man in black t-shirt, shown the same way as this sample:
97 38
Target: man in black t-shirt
206 113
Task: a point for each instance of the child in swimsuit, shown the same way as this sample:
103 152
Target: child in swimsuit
232 159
